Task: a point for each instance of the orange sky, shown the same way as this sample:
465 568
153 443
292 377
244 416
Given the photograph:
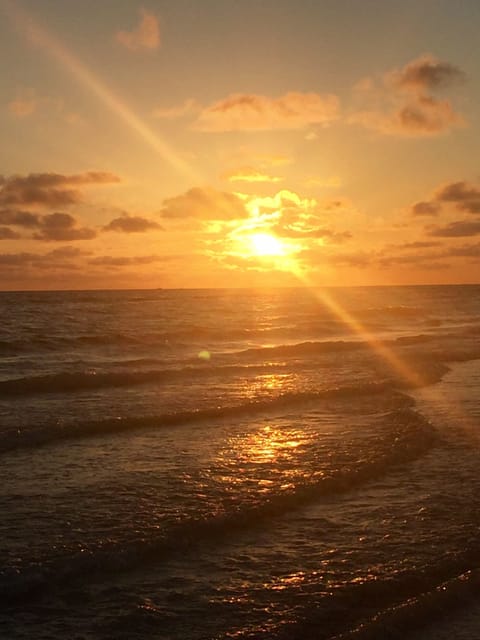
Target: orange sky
218 143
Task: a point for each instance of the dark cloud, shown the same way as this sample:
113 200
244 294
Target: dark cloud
428 73
124 261
19 218
465 196
465 251
204 203
458 192
414 245
472 206
8 234
425 208
62 227
132 224
49 189
60 258
458 229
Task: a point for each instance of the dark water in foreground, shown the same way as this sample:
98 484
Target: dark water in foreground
238 464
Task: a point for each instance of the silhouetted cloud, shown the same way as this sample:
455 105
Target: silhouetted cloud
132 224
406 246
425 208
458 192
8 234
124 261
251 112
403 103
49 189
465 251
204 203
19 218
145 36
457 229
62 227
60 258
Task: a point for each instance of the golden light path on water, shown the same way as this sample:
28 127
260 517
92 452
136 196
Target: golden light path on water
38 35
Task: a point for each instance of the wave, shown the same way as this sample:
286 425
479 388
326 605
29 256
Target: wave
70 382
32 437
408 436
429 607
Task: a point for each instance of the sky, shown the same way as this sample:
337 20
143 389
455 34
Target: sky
233 143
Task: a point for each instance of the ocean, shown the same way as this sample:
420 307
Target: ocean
213 464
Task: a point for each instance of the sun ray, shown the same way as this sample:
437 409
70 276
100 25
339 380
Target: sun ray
38 35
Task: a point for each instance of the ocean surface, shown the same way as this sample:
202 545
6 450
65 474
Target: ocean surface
213 464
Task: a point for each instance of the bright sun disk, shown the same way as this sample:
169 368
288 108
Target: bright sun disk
264 244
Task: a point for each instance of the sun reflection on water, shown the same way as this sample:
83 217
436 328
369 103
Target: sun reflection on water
263 461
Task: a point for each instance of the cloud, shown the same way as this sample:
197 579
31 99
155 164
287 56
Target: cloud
425 208
8 234
251 112
62 227
427 73
302 231
465 251
463 195
250 174
28 102
145 36
25 104
457 229
406 246
355 259
19 218
132 224
49 189
124 261
403 104
60 258
458 192
204 203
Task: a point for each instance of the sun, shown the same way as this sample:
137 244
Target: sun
264 244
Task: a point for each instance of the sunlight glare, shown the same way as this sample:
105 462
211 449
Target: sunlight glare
264 244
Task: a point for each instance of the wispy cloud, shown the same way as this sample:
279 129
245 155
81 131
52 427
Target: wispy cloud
249 174
124 261
252 112
145 36
24 104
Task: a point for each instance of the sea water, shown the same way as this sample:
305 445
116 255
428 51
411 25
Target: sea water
195 464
